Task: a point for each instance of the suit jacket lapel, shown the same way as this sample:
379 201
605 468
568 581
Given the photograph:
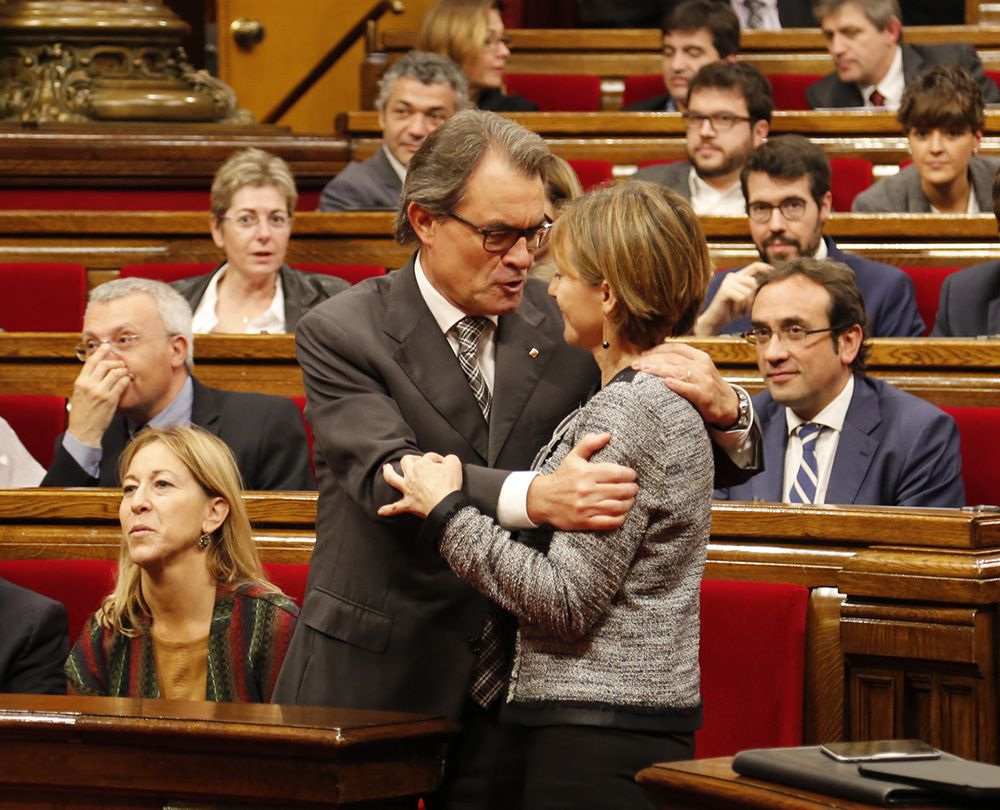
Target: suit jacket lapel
427 359
856 447
522 353
913 62
766 486
204 409
299 297
112 443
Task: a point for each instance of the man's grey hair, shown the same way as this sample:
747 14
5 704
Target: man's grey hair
439 172
426 68
878 12
175 312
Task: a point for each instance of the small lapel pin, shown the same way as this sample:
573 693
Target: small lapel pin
533 353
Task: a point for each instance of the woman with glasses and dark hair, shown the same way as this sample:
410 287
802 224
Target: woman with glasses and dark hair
942 117
254 291
605 678
192 615
471 34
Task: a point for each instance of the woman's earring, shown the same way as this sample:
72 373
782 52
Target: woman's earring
204 540
604 335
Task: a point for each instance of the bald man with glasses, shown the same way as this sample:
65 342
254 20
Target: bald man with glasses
786 184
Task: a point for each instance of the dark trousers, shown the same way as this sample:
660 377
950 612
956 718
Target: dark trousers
485 769
587 766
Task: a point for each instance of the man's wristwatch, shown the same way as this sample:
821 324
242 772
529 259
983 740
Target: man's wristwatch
742 412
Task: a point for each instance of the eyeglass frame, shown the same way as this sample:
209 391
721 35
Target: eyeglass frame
694 121
541 231
130 341
491 42
780 206
783 332
286 223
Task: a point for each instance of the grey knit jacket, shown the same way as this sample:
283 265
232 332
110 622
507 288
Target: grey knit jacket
609 621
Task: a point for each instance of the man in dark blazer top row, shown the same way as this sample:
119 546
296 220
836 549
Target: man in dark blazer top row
873 64
385 623
416 95
875 444
138 361
970 298
33 642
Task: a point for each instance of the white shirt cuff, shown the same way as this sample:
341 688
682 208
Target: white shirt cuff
512 508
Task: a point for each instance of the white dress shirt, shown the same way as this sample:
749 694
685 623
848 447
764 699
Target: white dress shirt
832 418
270 321
706 199
891 86
18 467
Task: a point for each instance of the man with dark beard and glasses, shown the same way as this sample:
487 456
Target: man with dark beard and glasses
786 183
728 114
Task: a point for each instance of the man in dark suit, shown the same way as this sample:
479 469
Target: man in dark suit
970 298
695 33
728 114
873 63
832 434
33 642
385 623
416 95
786 182
138 361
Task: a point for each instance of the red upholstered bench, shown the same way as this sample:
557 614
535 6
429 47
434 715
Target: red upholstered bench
591 172
552 92
927 281
37 421
789 90
979 429
123 199
21 305
752 666
351 273
639 88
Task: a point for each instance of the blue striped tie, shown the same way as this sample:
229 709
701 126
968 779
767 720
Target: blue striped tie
803 489
469 330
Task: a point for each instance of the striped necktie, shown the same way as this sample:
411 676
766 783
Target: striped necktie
469 330
755 13
804 486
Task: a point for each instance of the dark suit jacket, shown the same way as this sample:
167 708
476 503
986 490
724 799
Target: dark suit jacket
651 104
970 302
902 192
370 185
796 14
33 642
302 291
385 623
674 176
264 432
895 449
890 301
830 91
495 101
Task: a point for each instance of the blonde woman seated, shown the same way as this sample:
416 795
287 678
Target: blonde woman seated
192 616
605 678
254 291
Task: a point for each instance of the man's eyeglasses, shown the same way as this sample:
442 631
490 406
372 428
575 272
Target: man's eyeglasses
792 209
500 240
119 343
721 122
248 221
760 336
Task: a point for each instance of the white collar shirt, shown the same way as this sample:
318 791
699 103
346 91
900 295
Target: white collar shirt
891 85
706 199
832 418
270 321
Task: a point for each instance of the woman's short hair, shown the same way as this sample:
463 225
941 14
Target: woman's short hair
646 242
942 97
561 182
439 172
456 28
847 306
251 167
231 556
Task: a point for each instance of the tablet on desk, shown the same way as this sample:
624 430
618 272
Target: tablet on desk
955 777
880 750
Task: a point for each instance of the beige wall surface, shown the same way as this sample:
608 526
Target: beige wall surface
297 34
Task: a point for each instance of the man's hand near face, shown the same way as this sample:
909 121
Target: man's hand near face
732 300
97 391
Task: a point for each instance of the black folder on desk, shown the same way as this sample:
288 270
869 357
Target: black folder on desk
809 768
965 779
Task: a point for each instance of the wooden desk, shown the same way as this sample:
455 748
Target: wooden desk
115 753
712 784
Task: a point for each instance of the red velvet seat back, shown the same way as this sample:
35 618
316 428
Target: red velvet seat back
979 429
553 92
165 271
123 199
639 88
591 172
789 90
41 297
752 666
37 421
927 281
848 178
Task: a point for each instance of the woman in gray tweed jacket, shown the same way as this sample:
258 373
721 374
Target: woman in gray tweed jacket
605 678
